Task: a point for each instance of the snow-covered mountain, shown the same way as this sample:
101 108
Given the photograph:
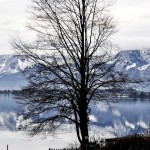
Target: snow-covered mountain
136 63
11 76
10 64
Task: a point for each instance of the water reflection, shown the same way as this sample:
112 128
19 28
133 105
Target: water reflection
7 103
8 116
132 115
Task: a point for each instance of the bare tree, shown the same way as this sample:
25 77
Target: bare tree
71 70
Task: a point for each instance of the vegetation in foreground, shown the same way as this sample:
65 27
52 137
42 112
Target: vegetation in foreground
135 142
132 142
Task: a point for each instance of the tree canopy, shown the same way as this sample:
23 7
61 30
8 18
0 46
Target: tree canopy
71 70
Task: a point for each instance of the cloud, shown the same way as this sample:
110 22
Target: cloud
133 22
6 22
12 20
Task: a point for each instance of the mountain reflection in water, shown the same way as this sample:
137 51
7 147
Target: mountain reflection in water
130 115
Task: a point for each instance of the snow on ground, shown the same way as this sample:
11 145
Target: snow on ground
20 141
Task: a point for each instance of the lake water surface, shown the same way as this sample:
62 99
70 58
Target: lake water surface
130 115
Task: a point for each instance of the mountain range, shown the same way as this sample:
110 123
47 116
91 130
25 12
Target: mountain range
136 63
11 77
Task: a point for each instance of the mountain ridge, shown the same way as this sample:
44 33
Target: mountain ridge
136 63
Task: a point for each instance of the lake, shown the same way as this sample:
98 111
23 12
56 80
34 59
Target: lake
127 115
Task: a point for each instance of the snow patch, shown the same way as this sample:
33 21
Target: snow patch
144 67
22 65
142 124
131 66
130 125
20 141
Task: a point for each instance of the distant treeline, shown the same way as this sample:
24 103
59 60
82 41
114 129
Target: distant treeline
131 93
5 91
9 91
139 94
125 93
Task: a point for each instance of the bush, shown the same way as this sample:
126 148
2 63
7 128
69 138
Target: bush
136 142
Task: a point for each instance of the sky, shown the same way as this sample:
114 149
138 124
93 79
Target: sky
133 24
133 17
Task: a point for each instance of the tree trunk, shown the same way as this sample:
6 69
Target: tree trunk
84 119
84 128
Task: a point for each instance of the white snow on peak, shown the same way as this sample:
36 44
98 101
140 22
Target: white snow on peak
23 64
142 124
144 67
10 64
131 66
128 124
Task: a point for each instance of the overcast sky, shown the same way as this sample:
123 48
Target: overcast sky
133 23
